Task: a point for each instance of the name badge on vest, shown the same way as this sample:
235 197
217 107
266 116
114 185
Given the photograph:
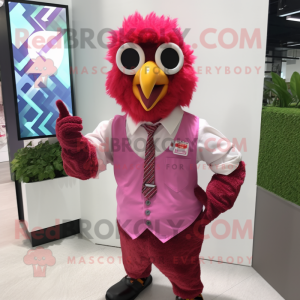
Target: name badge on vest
181 148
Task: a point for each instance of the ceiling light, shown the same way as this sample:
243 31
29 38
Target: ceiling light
290 13
1 2
289 18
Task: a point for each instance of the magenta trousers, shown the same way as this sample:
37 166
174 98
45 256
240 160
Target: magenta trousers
177 259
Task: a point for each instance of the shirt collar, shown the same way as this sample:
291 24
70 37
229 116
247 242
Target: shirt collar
170 122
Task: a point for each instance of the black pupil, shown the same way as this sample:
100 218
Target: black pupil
169 58
130 59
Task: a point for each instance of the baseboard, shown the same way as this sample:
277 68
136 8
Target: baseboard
53 233
19 198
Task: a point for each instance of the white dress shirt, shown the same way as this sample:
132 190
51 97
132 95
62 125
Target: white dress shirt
213 147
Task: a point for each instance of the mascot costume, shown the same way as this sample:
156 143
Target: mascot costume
154 148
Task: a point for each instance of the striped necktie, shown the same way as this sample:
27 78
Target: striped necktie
149 188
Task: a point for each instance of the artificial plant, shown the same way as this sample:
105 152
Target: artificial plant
295 87
32 164
279 87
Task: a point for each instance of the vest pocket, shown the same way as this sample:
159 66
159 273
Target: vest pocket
177 173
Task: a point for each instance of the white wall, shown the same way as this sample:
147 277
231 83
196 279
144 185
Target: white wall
231 103
283 70
268 67
291 67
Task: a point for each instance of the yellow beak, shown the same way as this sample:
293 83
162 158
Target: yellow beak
150 85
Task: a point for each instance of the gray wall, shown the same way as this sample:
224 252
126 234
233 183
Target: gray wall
276 248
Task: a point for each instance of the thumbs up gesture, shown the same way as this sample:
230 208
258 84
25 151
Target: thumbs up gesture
67 127
78 154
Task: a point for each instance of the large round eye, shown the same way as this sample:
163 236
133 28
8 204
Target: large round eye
130 58
169 58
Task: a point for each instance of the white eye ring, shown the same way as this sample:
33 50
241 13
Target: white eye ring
138 49
158 53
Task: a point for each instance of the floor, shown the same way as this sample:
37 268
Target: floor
84 271
3 141
3 152
4 173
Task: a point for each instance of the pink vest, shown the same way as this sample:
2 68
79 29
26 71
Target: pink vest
174 207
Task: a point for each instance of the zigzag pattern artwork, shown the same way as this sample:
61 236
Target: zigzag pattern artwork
41 66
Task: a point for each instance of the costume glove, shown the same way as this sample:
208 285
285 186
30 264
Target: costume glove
78 154
221 193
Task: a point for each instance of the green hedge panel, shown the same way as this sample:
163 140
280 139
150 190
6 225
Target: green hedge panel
279 152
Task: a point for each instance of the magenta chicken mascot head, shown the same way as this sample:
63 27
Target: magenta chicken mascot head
161 210
151 66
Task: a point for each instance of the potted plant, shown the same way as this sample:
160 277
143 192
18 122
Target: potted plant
51 199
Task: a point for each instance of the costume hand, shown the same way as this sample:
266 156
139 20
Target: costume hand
221 192
202 197
78 154
67 127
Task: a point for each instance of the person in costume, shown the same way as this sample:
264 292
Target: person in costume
155 148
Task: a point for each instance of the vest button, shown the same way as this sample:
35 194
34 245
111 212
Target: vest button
148 202
147 212
148 223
